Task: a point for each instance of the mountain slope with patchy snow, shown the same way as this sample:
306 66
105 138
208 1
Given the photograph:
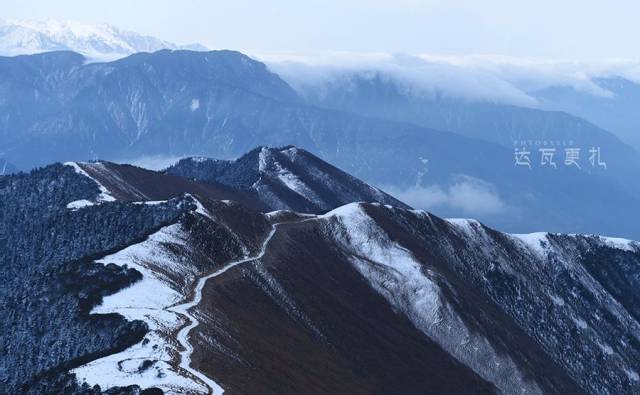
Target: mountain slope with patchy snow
287 178
517 311
265 179
137 290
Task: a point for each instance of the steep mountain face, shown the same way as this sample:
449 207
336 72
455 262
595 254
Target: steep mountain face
218 104
285 179
200 295
222 104
616 111
95 41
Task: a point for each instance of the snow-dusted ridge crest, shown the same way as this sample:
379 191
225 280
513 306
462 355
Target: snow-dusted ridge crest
101 173
399 277
150 300
411 285
104 196
539 242
285 178
145 300
165 308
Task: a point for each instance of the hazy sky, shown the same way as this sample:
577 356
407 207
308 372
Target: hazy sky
567 29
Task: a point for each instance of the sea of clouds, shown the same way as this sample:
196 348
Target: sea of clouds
497 79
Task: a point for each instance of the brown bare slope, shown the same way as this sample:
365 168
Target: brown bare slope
337 336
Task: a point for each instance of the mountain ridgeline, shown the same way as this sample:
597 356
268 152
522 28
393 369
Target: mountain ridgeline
285 179
440 155
166 281
614 109
58 220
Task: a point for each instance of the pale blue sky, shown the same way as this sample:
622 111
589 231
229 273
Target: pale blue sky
568 29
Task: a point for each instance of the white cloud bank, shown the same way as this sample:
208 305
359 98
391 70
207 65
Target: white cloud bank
467 194
498 79
153 162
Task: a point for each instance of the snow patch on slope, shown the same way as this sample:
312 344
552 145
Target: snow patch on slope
145 364
78 204
536 242
346 189
262 159
104 196
150 362
295 184
466 224
620 244
632 374
145 299
269 167
540 244
200 209
412 288
112 177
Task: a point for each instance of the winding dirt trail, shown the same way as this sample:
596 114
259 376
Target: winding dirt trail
183 309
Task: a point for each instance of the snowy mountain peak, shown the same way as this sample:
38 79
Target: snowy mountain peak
100 41
285 178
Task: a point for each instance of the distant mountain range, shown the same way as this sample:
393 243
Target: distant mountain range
99 42
451 94
222 104
284 250
152 281
612 109
616 112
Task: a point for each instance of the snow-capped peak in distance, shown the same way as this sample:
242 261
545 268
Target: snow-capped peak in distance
100 41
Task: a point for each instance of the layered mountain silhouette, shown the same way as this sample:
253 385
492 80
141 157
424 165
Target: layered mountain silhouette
222 104
613 109
381 96
167 281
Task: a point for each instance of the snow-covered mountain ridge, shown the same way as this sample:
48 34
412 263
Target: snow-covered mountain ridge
287 178
100 42
175 287
434 284
392 249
